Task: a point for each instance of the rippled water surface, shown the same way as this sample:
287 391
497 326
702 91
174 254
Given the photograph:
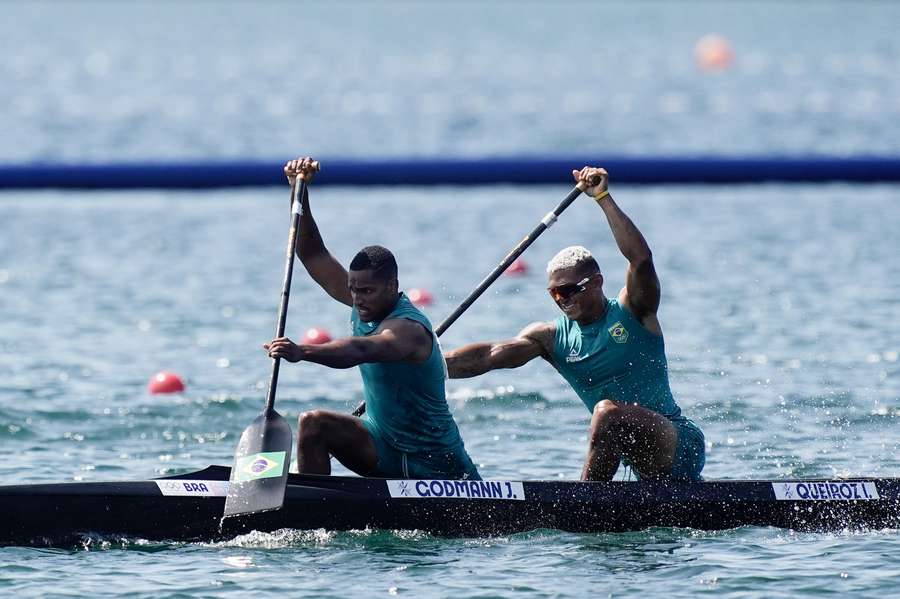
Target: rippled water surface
779 312
780 303
170 80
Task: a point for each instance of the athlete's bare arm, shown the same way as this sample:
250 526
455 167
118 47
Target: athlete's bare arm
321 265
477 358
641 294
396 340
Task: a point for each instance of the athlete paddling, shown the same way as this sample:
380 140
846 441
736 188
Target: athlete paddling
610 351
407 430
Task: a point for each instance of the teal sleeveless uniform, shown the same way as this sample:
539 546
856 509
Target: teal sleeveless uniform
406 409
616 358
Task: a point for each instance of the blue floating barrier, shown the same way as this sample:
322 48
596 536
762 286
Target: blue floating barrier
453 171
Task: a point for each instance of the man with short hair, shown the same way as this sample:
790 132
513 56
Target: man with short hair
610 351
407 430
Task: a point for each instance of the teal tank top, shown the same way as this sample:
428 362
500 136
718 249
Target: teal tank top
615 358
407 403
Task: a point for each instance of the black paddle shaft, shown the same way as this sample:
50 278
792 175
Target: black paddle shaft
259 477
299 193
517 251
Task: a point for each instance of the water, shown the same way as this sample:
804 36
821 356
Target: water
383 564
771 349
779 302
112 81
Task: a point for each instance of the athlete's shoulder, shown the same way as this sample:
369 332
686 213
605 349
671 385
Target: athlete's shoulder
648 322
541 333
404 324
539 329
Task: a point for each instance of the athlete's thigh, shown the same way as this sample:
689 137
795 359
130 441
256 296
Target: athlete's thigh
648 439
350 442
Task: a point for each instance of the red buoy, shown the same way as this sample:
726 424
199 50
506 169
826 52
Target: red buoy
713 53
420 297
316 336
165 382
517 268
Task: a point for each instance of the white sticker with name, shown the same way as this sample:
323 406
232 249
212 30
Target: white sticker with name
839 490
193 488
456 489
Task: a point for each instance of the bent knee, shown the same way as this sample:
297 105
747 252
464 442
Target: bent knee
606 411
313 422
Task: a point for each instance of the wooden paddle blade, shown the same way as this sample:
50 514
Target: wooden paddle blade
260 472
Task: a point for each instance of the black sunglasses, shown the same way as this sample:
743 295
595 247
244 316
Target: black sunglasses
564 292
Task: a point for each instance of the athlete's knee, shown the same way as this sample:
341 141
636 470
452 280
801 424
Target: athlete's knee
606 412
605 420
312 425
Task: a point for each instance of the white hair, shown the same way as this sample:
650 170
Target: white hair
572 256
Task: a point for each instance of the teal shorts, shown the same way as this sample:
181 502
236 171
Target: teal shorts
690 452
441 464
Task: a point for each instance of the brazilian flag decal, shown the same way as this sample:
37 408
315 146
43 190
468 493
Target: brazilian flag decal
259 465
618 332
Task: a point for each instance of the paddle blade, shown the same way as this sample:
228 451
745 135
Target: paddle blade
260 472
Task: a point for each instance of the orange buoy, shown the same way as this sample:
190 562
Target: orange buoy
517 268
316 336
420 297
713 53
165 382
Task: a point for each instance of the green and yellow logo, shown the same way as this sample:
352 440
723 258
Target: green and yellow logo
259 465
618 332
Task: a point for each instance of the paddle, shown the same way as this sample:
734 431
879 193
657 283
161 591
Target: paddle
260 471
517 251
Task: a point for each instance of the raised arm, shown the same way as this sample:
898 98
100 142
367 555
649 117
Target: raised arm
397 340
320 264
477 358
641 294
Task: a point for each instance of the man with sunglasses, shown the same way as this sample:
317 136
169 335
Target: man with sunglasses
610 351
